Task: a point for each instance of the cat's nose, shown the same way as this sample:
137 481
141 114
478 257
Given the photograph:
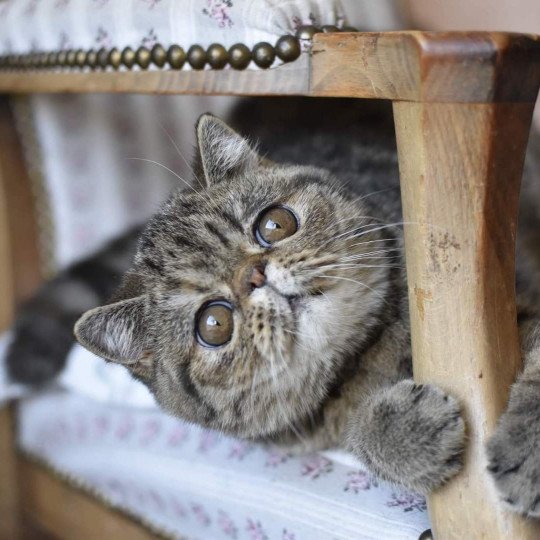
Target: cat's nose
257 278
250 275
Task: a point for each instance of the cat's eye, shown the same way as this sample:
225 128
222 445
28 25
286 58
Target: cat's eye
275 224
214 324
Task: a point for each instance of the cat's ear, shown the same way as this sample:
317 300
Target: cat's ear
222 153
117 332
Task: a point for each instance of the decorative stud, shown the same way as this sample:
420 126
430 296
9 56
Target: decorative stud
70 58
142 57
102 58
239 56
217 56
91 59
62 58
196 56
263 55
288 48
128 57
176 57
80 58
307 32
159 55
115 58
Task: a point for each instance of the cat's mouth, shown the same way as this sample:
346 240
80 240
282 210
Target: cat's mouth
298 301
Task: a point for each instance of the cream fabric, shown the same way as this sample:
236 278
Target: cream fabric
194 483
45 25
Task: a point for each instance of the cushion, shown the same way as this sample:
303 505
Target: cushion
28 26
186 481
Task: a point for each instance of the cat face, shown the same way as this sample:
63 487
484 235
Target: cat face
247 292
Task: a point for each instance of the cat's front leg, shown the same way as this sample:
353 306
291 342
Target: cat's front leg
514 449
409 433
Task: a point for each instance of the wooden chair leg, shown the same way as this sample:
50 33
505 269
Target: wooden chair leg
461 167
10 519
19 275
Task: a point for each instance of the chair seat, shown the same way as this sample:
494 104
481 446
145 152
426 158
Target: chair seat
28 26
198 484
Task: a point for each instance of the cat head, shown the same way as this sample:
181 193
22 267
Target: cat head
247 291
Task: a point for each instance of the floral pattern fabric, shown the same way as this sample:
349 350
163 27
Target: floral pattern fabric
195 483
49 25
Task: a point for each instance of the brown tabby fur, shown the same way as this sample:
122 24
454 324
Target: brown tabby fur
320 356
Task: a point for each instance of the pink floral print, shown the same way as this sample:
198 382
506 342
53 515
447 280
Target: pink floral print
226 524
408 502
275 457
178 435
200 514
218 10
150 431
316 466
178 508
207 441
240 449
103 39
151 3
255 530
360 481
125 428
150 39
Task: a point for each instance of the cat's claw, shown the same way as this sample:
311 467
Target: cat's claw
514 463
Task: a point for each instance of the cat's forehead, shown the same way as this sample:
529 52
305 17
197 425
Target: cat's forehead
202 235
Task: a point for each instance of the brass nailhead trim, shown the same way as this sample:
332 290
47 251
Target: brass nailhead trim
115 58
287 49
142 57
217 56
239 56
159 55
176 57
196 57
91 59
264 55
128 57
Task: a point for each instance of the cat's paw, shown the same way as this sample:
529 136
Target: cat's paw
414 434
514 460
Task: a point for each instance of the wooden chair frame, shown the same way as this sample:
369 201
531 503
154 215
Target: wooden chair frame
463 105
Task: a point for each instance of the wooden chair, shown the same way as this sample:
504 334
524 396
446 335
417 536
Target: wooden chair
463 104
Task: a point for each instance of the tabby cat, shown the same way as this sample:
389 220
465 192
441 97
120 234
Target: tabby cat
268 301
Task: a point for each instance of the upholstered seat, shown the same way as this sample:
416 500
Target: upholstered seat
184 481
152 34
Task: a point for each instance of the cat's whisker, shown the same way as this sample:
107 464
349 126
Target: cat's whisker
357 282
166 168
182 157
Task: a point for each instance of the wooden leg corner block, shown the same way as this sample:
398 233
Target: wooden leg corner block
461 167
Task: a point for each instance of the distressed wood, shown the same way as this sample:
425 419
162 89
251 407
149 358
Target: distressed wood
461 167
9 488
19 253
68 513
427 66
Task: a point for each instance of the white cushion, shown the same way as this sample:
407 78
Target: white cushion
194 483
51 25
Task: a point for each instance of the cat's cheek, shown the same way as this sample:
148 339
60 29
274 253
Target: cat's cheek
282 279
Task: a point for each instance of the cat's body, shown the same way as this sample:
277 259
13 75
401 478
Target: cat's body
302 340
